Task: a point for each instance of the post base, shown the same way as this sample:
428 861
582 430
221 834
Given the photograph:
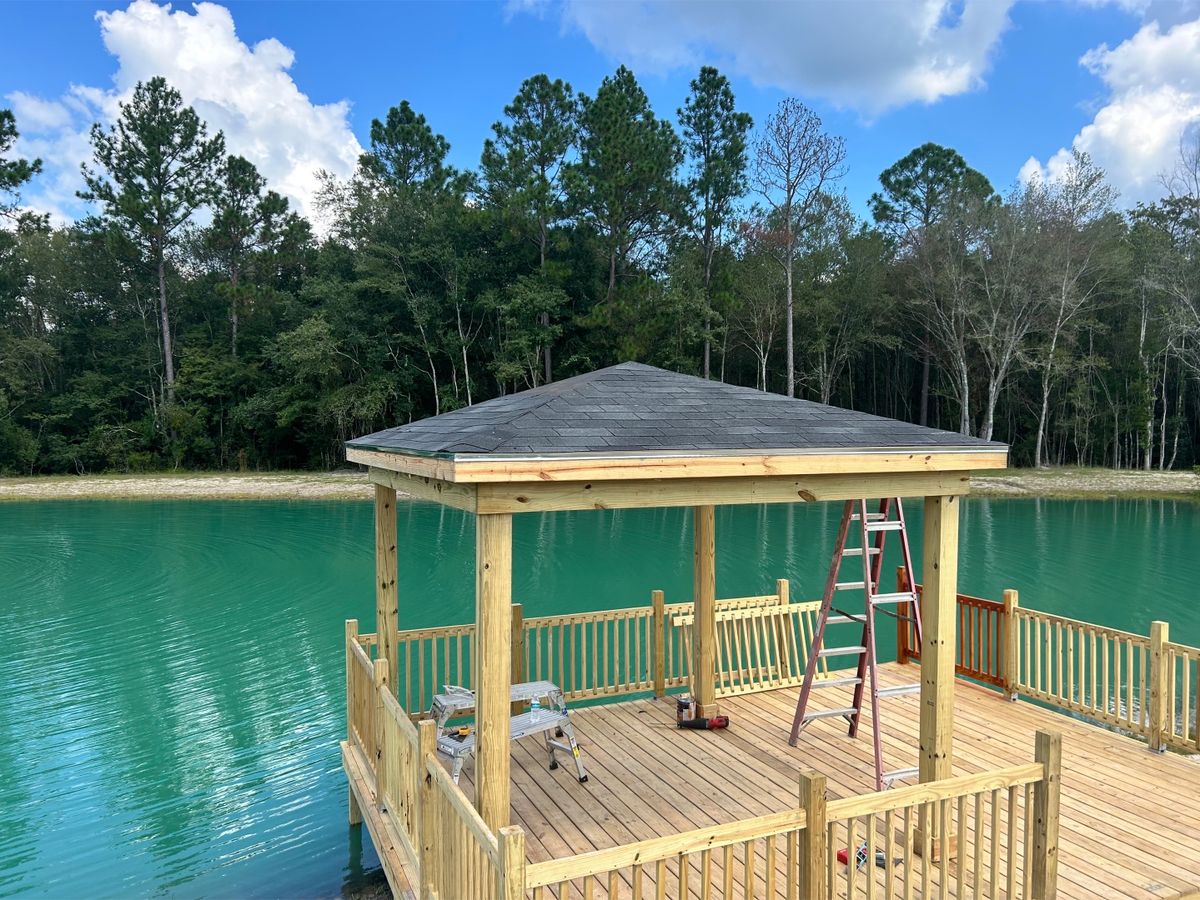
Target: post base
936 847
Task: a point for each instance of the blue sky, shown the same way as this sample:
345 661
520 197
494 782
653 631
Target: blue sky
1003 84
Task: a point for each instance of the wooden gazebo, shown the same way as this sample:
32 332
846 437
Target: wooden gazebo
634 436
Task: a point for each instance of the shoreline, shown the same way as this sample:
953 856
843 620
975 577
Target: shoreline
1067 484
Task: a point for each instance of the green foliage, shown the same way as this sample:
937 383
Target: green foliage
593 233
13 172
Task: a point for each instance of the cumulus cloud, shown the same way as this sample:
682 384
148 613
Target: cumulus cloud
245 91
1153 98
860 54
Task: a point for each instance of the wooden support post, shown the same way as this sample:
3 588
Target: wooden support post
1012 631
814 838
938 608
1048 751
903 611
427 837
659 660
387 617
1160 675
704 626
512 863
493 647
380 762
354 813
783 591
518 652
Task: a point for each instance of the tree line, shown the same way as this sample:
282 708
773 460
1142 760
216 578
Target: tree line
193 319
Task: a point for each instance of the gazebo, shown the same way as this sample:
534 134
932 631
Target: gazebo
634 436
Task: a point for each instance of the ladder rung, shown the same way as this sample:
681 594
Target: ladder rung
901 597
843 651
858 551
830 713
891 525
836 682
899 775
841 620
850 585
900 690
871 517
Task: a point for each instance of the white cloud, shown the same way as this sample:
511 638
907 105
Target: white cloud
245 91
1153 82
862 54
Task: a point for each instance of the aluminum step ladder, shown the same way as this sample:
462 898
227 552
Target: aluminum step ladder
873 528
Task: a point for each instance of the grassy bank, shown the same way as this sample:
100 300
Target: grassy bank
1063 483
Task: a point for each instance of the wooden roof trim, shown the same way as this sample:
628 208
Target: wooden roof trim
591 467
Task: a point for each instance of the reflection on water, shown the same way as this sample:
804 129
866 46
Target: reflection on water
172 673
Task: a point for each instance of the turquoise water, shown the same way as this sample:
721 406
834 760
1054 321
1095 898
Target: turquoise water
172 673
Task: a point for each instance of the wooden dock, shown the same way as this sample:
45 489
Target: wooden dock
1130 825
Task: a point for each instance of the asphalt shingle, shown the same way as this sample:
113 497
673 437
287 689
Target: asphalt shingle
633 407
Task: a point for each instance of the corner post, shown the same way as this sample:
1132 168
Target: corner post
1048 751
518 652
382 752
354 813
938 608
387 617
904 612
426 814
659 654
814 837
704 631
512 863
1160 684
493 648
784 591
1012 631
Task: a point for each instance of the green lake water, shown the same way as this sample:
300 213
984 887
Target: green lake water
171 674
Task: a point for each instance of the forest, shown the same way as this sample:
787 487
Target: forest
193 320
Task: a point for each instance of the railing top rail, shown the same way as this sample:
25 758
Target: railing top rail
946 789
1024 612
971 600
437 631
727 615
393 708
629 612
1185 649
568 868
361 657
463 808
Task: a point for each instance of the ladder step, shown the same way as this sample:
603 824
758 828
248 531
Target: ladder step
900 597
836 682
843 651
900 690
892 525
850 585
899 775
841 620
871 517
858 551
830 713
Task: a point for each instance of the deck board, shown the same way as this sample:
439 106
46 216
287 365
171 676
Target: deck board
1130 818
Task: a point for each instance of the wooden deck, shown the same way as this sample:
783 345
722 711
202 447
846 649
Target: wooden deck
1130 817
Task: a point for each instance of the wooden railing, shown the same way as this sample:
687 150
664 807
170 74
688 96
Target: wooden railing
1001 826
981 635
1101 673
1180 686
428 658
588 655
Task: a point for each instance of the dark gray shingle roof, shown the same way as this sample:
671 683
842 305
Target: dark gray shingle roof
637 408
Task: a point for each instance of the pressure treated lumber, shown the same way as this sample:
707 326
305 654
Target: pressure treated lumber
938 614
704 558
493 645
387 615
